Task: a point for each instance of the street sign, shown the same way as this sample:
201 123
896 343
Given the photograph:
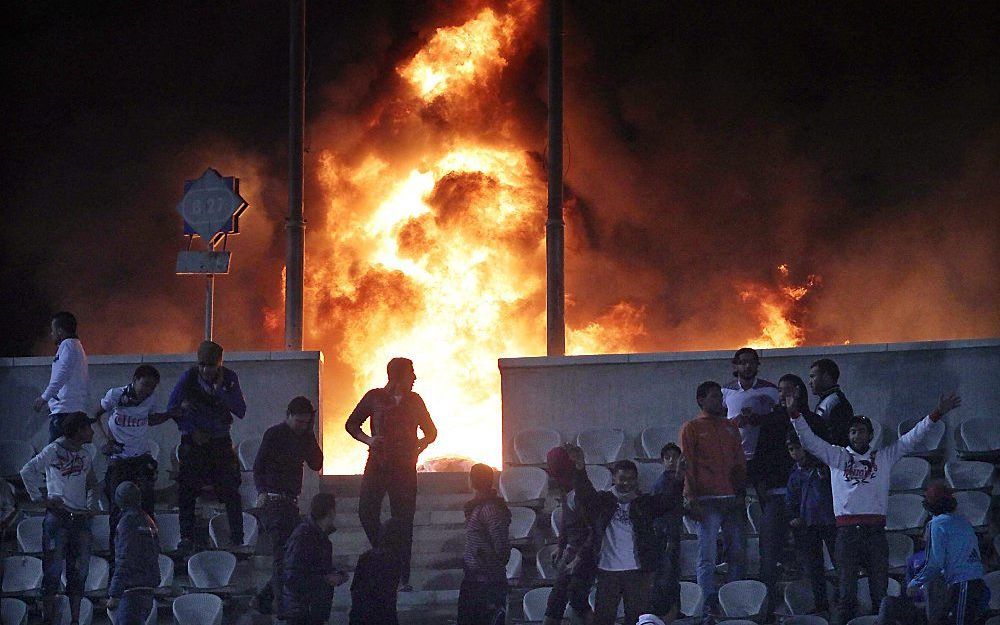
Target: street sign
197 262
209 205
233 225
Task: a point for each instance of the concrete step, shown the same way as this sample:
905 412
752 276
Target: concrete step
416 598
347 520
427 483
445 541
447 501
429 560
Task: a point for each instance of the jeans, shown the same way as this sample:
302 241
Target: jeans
399 481
574 589
482 603
773 536
809 545
141 471
729 515
134 608
66 542
631 587
859 545
278 518
212 464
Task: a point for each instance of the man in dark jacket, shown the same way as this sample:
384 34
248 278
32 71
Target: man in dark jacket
308 575
623 523
207 397
482 599
277 473
137 567
833 407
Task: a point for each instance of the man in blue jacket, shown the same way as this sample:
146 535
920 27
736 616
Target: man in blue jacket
137 567
308 576
206 398
953 552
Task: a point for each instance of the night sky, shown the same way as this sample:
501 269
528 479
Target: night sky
705 139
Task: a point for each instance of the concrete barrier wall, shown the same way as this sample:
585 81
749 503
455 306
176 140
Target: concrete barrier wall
889 382
269 380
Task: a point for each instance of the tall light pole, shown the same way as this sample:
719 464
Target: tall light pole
295 225
555 300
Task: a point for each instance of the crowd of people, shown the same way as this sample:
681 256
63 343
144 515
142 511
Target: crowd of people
816 474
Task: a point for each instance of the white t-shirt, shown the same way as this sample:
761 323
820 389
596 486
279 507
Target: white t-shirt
618 548
67 388
128 422
760 398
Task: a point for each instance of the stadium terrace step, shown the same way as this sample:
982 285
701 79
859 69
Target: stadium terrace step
437 502
349 520
427 483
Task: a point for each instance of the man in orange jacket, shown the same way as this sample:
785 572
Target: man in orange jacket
715 488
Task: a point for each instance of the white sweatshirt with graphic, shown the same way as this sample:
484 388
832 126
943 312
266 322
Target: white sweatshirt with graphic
64 472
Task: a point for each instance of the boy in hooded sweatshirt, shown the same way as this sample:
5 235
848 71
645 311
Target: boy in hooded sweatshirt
482 599
859 477
137 567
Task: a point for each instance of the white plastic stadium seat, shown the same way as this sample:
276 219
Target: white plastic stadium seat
543 562
150 620
905 512
968 474
97 575
532 446
556 519
993 620
980 435
21 574
514 564
211 569
218 531
166 571
799 597
878 433
198 609
63 615
534 603
592 599
247 452
248 494
754 515
520 484
909 474
14 455
743 598
601 445
13 611
29 534
867 619
933 439
168 527
992 580
974 505
600 477
691 599
521 522
900 549
648 474
805 619
654 438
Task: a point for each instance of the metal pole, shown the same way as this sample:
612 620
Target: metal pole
295 225
209 305
555 301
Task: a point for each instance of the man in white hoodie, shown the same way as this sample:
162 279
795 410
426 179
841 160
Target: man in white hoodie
67 389
66 469
859 477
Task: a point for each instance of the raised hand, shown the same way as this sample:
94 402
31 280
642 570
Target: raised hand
947 402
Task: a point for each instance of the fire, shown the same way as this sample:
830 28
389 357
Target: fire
778 309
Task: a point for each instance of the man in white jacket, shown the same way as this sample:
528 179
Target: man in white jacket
859 477
67 389
66 469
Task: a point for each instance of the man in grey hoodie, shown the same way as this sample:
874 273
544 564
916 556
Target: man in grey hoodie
137 567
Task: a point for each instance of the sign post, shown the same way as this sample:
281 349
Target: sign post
211 209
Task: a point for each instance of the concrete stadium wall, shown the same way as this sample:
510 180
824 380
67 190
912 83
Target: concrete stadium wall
269 380
889 382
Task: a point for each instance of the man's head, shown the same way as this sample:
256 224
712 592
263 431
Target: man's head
209 360
76 426
939 498
144 381
401 375
299 415
63 326
625 476
860 432
709 397
128 495
823 375
323 511
791 385
481 478
670 456
746 362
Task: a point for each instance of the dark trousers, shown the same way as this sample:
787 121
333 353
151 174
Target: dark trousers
212 464
141 471
314 614
857 546
278 518
66 540
55 425
572 588
482 603
667 579
631 587
809 542
399 481
773 537
134 608
968 602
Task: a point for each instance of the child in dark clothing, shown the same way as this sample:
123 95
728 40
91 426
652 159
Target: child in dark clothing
376 578
666 581
308 575
810 510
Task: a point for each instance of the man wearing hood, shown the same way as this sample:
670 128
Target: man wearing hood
137 567
483 596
